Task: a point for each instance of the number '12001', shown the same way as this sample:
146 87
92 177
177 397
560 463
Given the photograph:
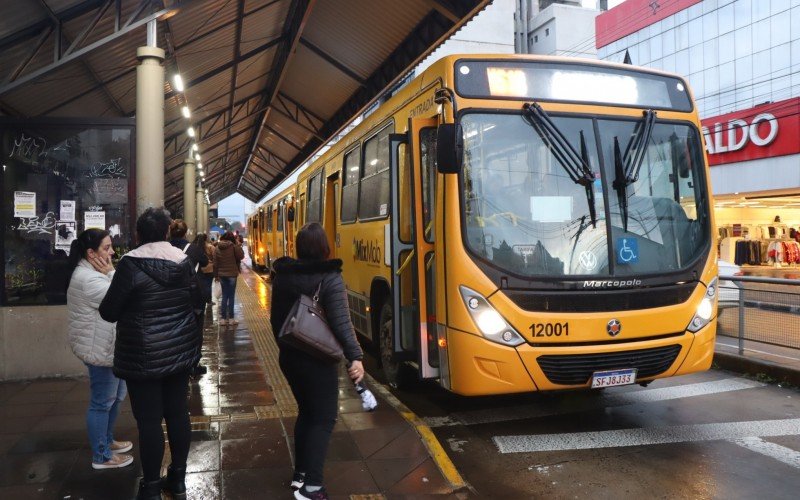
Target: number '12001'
549 329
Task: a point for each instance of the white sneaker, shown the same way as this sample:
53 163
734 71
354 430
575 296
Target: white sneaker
121 446
116 461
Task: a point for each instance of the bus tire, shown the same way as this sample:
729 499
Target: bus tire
391 367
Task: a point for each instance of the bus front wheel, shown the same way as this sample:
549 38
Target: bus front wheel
391 367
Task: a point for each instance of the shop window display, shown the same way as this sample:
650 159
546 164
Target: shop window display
56 182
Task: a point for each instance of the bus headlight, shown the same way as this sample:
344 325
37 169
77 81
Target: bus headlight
705 310
489 322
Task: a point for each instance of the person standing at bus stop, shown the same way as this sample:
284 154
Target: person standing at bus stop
153 300
226 270
314 383
92 341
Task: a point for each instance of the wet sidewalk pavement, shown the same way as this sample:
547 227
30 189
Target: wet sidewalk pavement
242 418
242 424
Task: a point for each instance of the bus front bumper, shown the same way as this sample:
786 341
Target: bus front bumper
479 367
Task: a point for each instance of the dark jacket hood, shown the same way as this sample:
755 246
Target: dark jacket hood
301 266
179 243
165 272
223 244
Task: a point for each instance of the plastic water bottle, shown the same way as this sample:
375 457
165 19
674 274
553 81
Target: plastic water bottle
368 401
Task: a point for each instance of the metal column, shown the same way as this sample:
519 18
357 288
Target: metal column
202 213
206 206
149 124
189 200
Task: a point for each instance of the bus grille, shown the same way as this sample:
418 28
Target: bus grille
575 369
601 300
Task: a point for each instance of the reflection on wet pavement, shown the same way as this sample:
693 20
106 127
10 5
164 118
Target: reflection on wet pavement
242 414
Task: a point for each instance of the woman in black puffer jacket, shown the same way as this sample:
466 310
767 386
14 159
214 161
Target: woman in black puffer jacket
314 383
152 299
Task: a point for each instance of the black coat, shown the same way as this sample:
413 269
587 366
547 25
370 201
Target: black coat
195 253
293 277
151 301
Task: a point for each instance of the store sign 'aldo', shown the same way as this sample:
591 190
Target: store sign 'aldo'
761 132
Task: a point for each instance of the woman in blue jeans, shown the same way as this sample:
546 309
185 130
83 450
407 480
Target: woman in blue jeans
226 270
92 340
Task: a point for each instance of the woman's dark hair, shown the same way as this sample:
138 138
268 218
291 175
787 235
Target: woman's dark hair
178 229
200 240
312 242
153 225
228 236
89 239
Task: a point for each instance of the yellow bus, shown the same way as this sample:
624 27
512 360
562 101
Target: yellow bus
256 245
521 223
272 226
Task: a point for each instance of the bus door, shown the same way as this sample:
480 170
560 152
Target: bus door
413 258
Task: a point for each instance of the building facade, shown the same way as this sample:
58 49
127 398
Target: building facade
555 27
741 59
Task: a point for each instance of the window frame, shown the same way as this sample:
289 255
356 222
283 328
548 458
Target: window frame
356 148
374 135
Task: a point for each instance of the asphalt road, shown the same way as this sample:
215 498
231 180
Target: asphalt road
708 435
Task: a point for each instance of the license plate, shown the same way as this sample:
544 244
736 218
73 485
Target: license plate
611 378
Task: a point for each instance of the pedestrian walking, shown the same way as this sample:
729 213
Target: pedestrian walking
207 271
153 297
314 383
226 269
92 341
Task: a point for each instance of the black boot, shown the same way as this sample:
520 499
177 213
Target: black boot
149 490
175 481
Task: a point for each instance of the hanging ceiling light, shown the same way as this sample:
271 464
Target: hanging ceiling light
178 82
186 112
190 131
195 147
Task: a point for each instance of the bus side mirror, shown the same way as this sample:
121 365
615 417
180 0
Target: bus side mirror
449 148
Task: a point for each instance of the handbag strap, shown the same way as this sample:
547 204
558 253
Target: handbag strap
315 298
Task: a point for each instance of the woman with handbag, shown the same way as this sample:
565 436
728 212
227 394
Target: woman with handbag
314 382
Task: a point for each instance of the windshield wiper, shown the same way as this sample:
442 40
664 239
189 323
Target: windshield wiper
627 166
575 165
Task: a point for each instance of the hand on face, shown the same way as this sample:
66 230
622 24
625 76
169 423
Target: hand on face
99 263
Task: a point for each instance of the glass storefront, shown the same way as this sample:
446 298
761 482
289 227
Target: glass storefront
59 178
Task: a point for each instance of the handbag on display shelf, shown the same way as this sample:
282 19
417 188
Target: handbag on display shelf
307 329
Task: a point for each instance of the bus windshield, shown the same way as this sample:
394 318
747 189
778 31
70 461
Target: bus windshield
527 216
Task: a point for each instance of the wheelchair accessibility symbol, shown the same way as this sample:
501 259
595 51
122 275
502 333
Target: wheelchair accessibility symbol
627 251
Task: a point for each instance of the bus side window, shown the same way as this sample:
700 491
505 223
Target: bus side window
428 160
352 170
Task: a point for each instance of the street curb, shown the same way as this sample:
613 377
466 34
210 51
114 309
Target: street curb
435 449
753 366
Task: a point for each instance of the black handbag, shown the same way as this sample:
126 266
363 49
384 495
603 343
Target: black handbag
307 329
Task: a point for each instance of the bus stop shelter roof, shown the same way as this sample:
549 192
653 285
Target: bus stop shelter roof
268 82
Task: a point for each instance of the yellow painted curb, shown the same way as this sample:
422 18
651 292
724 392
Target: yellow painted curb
435 449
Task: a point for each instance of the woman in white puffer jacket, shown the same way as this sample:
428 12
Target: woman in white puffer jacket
92 340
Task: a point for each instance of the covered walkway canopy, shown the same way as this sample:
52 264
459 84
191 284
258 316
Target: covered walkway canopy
267 82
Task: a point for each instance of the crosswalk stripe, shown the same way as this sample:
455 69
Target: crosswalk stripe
494 415
776 451
646 436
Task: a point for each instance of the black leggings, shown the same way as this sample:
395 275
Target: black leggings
315 385
152 401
